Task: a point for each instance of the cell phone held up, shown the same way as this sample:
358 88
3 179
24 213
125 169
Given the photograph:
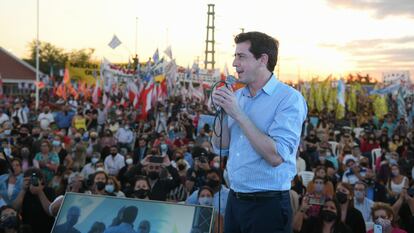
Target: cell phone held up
156 159
34 179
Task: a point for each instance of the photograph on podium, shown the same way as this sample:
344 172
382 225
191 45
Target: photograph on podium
106 214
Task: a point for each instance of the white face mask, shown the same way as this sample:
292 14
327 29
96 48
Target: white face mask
128 161
205 201
95 160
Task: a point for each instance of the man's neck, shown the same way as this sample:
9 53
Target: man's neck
261 80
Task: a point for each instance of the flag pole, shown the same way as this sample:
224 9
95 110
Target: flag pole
136 35
37 56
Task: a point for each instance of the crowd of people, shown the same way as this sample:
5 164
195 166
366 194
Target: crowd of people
351 174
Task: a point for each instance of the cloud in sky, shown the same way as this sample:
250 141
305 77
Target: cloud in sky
380 54
381 8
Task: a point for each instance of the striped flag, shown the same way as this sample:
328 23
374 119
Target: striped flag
115 42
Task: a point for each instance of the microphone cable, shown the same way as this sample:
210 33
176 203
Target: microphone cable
219 115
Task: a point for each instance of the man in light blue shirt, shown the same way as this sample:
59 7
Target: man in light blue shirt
261 133
221 193
126 226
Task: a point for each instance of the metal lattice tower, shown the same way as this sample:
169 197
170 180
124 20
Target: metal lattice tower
209 53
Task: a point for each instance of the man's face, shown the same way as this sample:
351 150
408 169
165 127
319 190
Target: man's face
247 66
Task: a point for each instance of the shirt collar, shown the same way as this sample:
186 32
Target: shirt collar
268 88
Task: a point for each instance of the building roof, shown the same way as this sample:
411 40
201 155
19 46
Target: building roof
14 69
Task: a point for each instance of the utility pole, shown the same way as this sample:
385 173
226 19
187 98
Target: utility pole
37 55
209 60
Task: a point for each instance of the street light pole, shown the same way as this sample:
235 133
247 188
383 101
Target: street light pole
37 57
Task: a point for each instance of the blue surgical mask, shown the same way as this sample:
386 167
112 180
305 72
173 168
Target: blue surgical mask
95 160
205 201
55 143
109 188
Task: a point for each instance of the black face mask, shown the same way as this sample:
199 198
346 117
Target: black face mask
341 197
114 154
153 175
77 139
23 135
213 183
36 135
141 193
181 167
100 185
328 216
11 222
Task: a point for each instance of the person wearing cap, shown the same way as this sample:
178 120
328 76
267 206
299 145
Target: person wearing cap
354 172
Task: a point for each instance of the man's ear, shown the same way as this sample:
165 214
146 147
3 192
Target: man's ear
264 59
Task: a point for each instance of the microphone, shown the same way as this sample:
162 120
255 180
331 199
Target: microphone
230 80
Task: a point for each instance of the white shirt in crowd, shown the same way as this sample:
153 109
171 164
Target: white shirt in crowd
365 208
124 135
3 118
45 119
300 164
114 163
21 114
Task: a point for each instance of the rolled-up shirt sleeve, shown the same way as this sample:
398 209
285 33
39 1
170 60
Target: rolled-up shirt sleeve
286 127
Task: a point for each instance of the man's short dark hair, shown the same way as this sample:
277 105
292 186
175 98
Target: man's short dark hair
130 214
260 44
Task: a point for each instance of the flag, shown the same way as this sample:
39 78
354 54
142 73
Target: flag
40 84
340 107
386 90
146 99
66 77
115 42
168 52
402 113
156 57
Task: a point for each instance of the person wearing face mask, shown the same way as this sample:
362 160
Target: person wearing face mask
10 221
395 143
205 198
90 168
160 187
324 153
349 215
45 118
124 136
113 187
396 182
114 162
220 191
100 179
312 143
318 190
142 188
328 220
33 201
383 215
59 148
362 203
354 172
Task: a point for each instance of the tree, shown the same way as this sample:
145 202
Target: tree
53 58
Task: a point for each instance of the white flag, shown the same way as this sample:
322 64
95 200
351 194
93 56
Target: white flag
168 52
115 42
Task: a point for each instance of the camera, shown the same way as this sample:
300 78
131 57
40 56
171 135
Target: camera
34 179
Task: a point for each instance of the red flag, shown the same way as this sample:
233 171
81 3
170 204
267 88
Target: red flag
40 84
146 99
66 78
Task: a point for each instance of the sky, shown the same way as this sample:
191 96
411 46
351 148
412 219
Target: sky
317 37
